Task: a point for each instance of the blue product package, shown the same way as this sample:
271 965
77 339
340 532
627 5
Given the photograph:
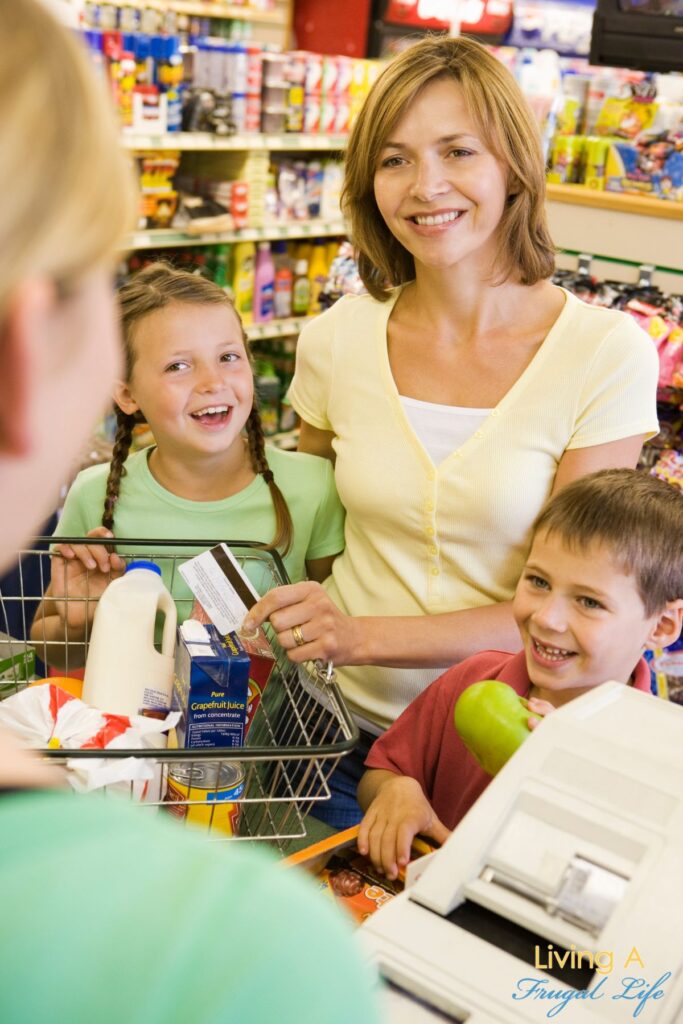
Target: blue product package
211 687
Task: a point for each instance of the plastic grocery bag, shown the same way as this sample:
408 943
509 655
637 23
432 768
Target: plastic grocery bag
47 716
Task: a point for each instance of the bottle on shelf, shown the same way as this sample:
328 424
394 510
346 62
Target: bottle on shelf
243 280
220 266
268 393
301 289
304 251
284 281
331 252
317 274
264 284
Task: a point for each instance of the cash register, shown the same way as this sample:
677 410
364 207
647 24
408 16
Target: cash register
559 896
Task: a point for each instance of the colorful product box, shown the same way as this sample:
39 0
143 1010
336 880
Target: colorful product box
17 660
211 687
313 81
566 159
330 71
344 75
328 114
595 159
652 167
261 662
312 114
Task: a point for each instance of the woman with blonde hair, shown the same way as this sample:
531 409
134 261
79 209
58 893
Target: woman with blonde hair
109 914
458 394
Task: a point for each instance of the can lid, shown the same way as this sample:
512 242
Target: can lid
142 564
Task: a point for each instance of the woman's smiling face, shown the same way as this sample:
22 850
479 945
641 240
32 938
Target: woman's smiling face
439 188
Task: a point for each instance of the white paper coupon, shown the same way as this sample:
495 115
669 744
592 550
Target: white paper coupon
220 586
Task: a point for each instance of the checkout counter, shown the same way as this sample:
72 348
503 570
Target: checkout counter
560 894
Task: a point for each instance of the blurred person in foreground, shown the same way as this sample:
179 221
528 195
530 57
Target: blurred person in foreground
107 913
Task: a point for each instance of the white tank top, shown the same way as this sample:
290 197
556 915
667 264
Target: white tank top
442 428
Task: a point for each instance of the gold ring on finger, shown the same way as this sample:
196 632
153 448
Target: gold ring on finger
298 636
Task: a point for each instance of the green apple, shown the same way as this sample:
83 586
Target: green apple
491 720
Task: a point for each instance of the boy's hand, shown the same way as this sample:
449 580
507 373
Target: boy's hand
538 707
398 813
82 571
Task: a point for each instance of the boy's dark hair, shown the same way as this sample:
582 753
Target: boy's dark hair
153 288
638 517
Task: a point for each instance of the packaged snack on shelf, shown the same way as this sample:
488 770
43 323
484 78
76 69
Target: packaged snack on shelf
650 165
667 666
595 158
313 81
150 113
566 159
669 467
670 356
158 199
312 114
625 118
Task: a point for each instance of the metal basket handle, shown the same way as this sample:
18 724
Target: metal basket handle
324 671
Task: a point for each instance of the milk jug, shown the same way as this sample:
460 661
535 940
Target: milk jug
124 674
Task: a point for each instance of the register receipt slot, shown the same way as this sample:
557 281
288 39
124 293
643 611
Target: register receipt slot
560 894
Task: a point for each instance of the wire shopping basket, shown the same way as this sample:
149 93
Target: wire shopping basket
261 791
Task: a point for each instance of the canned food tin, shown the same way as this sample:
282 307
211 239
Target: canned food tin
215 784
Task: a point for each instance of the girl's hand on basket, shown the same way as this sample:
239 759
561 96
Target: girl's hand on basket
308 624
397 814
82 571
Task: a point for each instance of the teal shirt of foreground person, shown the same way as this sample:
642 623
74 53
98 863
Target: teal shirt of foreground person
116 917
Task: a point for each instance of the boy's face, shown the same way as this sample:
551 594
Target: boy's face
581 618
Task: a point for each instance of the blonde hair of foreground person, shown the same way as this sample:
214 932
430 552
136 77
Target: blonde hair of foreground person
507 125
66 201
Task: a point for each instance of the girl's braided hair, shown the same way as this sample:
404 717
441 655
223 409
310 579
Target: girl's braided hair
153 288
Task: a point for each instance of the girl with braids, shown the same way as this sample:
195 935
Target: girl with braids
189 376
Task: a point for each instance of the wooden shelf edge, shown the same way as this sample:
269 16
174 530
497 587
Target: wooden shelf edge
619 202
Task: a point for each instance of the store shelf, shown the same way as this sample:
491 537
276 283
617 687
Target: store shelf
199 141
169 238
621 202
277 328
635 229
209 10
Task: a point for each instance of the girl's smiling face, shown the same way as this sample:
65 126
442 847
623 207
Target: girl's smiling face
191 378
439 189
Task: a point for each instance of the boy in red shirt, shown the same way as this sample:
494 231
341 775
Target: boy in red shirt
603 580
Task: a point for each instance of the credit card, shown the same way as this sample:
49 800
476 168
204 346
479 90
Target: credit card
221 587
